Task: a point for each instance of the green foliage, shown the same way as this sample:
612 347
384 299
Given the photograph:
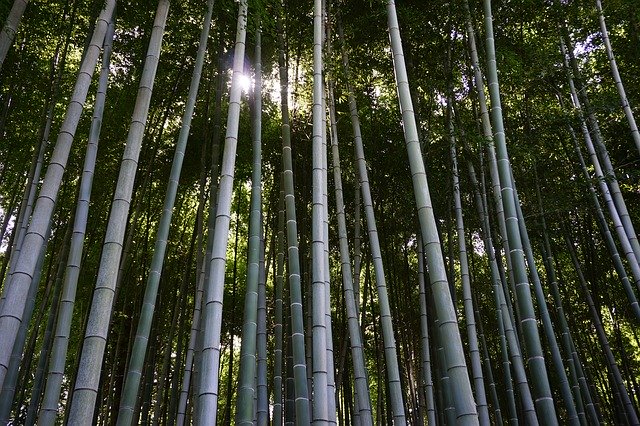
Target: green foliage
532 79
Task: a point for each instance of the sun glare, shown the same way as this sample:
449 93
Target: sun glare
245 83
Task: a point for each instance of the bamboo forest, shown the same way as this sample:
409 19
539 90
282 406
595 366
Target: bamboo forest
328 212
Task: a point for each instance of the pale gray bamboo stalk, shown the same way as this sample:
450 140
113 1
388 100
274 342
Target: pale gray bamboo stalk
624 101
17 289
203 271
298 358
320 415
248 350
487 132
49 409
331 385
262 408
136 361
277 418
361 387
455 362
535 357
602 152
11 379
26 206
47 339
11 27
214 286
195 326
603 184
424 333
472 334
87 381
391 358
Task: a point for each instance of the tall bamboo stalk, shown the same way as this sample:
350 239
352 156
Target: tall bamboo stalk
248 362
17 289
299 366
472 334
391 358
535 358
136 362
320 389
214 287
455 362
93 348
10 27
49 409
624 101
363 399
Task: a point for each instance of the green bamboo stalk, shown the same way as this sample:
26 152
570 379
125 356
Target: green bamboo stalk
17 289
47 339
248 362
136 361
391 358
565 333
601 149
49 409
489 144
262 403
193 347
541 389
10 27
624 101
509 345
605 189
277 418
556 357
302 411
320 415
424 332
87 381
472 334
448 324
214 286
618 383
12 376
363 398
